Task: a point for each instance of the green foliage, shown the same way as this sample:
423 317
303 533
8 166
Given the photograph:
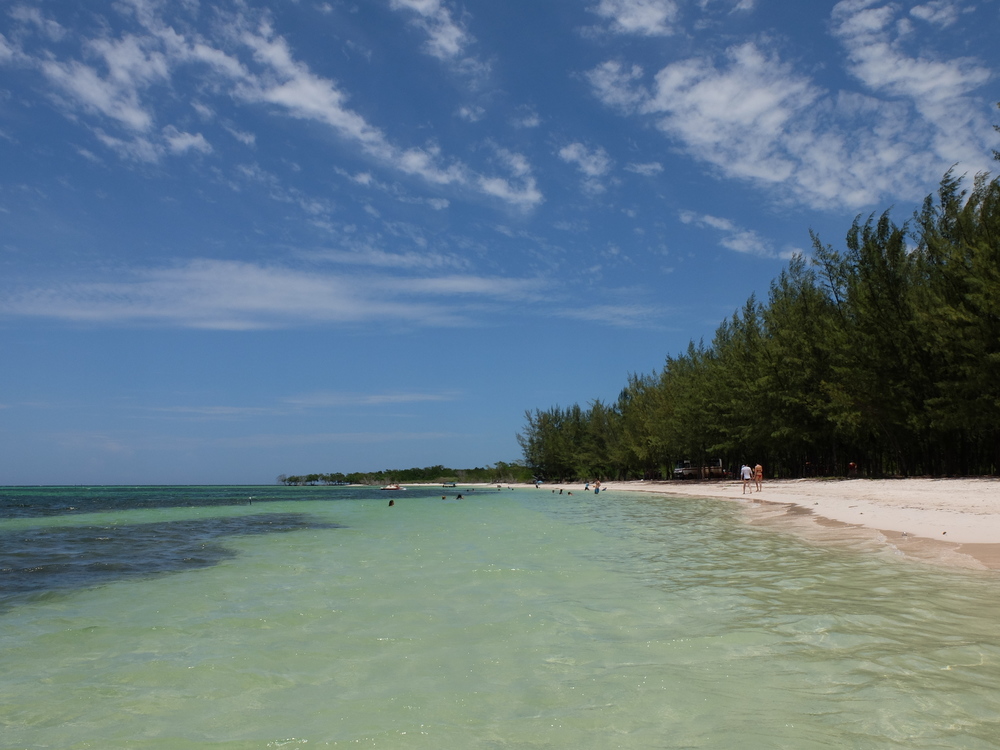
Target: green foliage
885 354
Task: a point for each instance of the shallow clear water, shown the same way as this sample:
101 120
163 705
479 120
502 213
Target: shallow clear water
320 617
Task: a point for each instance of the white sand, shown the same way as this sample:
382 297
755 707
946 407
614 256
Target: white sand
963 513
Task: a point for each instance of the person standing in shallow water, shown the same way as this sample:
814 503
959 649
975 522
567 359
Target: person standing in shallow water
746 474
758 477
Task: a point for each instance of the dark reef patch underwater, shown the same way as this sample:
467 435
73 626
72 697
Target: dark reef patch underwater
63 558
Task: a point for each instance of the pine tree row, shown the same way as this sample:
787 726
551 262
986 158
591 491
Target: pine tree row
885 354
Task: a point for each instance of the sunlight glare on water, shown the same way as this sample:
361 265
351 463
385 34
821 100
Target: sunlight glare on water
508 619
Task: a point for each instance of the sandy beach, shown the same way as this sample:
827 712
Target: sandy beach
944 521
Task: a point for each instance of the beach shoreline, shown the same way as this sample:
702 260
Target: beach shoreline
953 522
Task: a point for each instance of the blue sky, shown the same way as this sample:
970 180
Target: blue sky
239 240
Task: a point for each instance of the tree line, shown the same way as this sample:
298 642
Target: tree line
498 472
884 354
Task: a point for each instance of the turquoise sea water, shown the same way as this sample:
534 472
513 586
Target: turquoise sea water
319 617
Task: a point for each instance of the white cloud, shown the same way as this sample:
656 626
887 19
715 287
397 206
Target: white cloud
88 155
592 163
311 97
941 13
218 295
304 95
119 95
479 286
446 38
273 441
471 113
879 62
616 85
25 14
132 443
949 118
229 295
116 99
523 192
179 142
203 110
620 316
114 85
526 195
648 169
754 117
247 139
335 399
137 148
733 237
365 255
526 118
643 17
7 52
736 116
224 412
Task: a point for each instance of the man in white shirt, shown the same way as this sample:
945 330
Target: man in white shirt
746 474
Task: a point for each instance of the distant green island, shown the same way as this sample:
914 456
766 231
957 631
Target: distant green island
499 472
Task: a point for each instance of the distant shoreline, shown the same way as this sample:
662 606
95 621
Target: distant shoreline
945 521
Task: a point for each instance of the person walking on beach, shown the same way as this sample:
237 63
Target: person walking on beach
746 474
758 476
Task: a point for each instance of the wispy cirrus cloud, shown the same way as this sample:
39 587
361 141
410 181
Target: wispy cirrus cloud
307 96
618 316
33 16
129 443
210 412
114 81
229 295
363 254
732 236
273 440
295 405
300 403
338 399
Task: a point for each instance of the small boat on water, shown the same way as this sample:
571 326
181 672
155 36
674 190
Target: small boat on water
393 487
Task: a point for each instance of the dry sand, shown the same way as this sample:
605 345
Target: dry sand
947 521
